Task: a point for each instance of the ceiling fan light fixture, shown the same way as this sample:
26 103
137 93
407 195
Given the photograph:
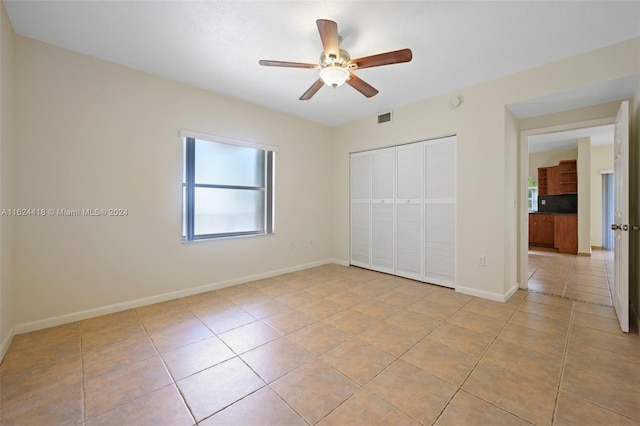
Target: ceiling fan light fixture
334 75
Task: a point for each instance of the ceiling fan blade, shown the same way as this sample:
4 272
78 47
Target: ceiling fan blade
329 35
267 63
388 58
362 86
312 90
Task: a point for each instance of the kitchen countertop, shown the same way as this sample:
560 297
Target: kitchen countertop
557 214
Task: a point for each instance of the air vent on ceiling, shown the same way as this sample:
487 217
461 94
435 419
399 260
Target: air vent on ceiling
384 118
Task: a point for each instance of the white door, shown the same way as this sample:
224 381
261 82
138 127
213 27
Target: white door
440 211
409 179
360 193
383 177
620 288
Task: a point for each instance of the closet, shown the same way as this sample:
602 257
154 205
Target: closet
403 210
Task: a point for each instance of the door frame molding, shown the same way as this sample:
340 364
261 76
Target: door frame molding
523 217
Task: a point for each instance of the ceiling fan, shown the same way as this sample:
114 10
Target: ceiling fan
336 65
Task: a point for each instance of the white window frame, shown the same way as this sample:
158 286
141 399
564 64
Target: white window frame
188 138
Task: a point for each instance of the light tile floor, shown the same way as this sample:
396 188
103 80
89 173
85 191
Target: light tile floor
331 345
581 278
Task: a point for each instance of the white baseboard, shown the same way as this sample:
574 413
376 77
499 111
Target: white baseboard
6 342
496 297
117 307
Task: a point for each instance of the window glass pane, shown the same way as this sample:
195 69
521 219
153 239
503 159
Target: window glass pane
222 164
220 211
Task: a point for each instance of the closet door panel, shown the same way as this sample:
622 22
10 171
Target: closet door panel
440 247
360 182
409 240
360 193
360 242
383 174
382 237
440 211
409 171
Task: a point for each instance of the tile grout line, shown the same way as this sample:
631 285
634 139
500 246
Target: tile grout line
566 282
564 362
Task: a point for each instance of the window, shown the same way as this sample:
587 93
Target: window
227 188
532 195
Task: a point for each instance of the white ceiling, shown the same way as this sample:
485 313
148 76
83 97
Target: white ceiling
216 45
600 135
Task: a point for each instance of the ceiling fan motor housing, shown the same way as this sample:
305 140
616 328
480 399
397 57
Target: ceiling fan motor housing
341 60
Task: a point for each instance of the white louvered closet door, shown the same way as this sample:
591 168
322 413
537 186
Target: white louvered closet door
409 175
360 193
440 211
382 215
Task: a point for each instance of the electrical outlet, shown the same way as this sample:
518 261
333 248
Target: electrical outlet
543 202
482 261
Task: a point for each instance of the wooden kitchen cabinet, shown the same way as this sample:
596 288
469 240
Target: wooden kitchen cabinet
565 231
543 186
568 177
541 230
553 180
558 180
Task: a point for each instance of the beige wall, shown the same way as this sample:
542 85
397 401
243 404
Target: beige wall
549 158
97 135
6 141
584 196
601 159
480 125
511 187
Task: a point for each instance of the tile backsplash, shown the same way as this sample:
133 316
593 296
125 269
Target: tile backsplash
567 203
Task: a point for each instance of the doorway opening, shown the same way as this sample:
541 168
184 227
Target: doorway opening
543 269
